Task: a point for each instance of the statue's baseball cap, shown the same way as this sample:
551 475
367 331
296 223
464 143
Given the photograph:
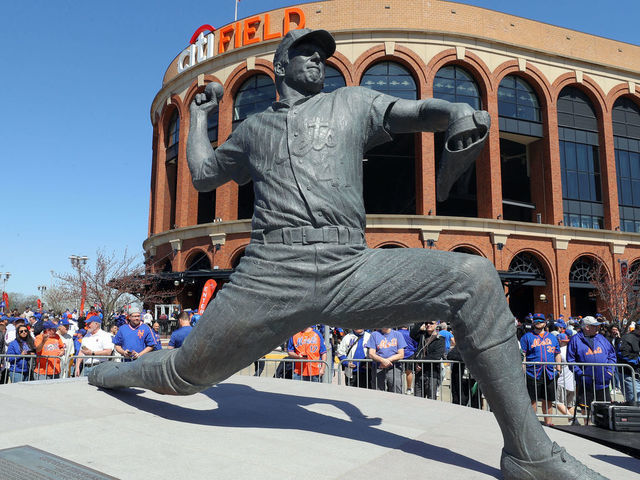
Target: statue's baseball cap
321 38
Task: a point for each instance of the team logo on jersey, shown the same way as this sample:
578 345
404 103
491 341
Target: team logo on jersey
313 134
140 333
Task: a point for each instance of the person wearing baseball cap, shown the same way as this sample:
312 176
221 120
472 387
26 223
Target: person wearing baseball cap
588 346
541 346
566 392
95 343
49 346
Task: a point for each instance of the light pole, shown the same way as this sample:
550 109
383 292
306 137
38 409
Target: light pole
77 262
42 289
5 277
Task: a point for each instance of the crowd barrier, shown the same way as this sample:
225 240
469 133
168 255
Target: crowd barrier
443 380
26 368
450 381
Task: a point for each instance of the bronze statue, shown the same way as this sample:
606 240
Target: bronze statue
308 263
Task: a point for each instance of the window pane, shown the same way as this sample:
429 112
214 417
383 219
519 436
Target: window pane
570 152
572 185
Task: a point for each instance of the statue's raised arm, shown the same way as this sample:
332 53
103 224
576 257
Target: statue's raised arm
466 131
201 157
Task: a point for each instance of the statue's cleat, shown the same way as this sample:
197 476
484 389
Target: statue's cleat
558 466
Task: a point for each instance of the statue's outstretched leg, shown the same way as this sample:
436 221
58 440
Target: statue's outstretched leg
403 286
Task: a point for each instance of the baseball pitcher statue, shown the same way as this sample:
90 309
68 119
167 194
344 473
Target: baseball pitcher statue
308 262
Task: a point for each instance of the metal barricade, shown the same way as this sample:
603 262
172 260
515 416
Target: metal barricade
26 368
575 385
290 368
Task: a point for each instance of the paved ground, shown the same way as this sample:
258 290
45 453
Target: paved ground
263 428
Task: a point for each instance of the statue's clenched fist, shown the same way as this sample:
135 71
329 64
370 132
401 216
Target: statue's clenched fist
208 100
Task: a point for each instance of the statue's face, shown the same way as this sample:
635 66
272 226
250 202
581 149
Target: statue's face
305 70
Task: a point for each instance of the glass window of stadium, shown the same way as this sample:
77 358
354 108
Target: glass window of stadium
255 95
454 84
579 160
526 275
333 79
626 141
520 124
389 169
172 144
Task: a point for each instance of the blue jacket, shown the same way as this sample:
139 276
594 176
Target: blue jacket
578 350
18 364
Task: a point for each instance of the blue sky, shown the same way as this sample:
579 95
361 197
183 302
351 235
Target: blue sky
77 81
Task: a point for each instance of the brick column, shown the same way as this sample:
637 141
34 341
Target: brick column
227 194
425 174
186 194
162 199
488 168
154 174
551 164
608 171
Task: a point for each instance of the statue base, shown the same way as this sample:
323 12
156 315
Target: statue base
248 427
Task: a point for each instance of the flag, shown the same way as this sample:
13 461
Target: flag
39 305
207 293
84 295
5 299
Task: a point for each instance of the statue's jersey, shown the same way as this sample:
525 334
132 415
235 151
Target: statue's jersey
305 159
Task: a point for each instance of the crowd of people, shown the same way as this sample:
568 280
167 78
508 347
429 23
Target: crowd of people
46 345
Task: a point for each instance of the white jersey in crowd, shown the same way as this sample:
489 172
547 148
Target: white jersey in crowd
566 378
100 340
147 318
68 351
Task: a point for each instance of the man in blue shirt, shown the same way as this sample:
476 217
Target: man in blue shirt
181 333
541 346
134 339
386 348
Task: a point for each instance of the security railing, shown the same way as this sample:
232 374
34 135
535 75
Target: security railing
26 368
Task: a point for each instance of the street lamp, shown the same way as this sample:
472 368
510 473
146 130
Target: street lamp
77 262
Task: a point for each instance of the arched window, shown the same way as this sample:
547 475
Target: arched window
579 160
467 250
520 124
207 200
516 99
199 261
254 96
389 169
173 136
455 84
582 271
333 79
390 78
172 144
525 262
626 141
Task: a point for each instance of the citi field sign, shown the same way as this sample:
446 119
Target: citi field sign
238 34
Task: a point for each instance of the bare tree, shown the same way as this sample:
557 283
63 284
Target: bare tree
59 297
619 296
20 301
114 281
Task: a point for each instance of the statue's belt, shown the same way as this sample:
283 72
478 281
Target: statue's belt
308 235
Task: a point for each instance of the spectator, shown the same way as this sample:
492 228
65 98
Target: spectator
308 344
541 346
409 354
588 346
147 318
69 347
48 344
155 331
566 391
10 330
351 348
20 367
629 353
431 346
95 343
184 328
449 340
386 348
464 388
134 339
